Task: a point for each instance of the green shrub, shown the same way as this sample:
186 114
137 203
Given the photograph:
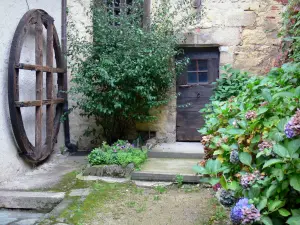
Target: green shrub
256 145
230 83
120 153
128 70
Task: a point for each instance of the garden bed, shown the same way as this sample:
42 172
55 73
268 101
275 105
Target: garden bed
117 160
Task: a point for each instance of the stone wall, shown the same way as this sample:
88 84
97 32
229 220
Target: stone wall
11 12
245 32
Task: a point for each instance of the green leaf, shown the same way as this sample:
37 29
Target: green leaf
267 95
278 173
284 94
293 146
276 136
282 124
274 205
272 162
218 152
262 110
255 140
295 181
297 91
266 220
280 150
233 185
213 166
234 131
271 190
245 158
200 169
225 147
294 220
284 212
223 182
295 212
211 181
262 204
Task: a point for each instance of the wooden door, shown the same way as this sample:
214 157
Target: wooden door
194 89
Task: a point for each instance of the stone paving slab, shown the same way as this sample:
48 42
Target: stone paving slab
80 192
19 217
150 184
180 147
105 179
30 200
166 170
178 150
173 166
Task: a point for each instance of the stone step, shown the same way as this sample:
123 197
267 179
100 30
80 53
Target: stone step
178 150
166 170
43 201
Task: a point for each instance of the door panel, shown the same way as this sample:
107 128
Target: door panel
194 90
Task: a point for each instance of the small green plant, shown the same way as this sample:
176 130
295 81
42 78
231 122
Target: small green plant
179 180
141 208
131 204
120 153
160 189
156 198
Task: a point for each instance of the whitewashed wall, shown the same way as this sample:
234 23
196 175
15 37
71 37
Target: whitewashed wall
11 11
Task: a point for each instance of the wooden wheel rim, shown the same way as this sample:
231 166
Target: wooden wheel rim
40 19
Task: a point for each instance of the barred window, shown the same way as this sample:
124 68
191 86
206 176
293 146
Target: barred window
118 6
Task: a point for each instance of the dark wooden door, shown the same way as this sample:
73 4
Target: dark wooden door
194 89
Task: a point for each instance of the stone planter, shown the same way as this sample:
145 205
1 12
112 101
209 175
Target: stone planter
109 170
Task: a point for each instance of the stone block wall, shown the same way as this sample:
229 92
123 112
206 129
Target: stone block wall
246 32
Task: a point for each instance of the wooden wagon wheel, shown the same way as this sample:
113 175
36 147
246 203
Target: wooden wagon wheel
41 150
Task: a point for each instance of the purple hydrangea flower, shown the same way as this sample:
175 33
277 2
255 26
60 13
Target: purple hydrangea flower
244 213
288 130
234 157
251 115
292 128
249 178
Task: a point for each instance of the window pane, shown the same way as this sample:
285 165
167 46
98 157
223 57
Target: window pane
192 65
192 77
202 65
203 77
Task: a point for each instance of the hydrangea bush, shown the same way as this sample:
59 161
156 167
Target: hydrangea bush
254 142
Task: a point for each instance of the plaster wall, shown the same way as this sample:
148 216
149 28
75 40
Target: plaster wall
11 12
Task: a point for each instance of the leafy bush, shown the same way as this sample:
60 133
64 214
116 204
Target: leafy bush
291 30
120 153
255 141
230 83
127 70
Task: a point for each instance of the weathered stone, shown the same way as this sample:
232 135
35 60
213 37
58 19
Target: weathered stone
26 222
254 37
129 169
114 171
79 192
109 170
30 200
90 170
